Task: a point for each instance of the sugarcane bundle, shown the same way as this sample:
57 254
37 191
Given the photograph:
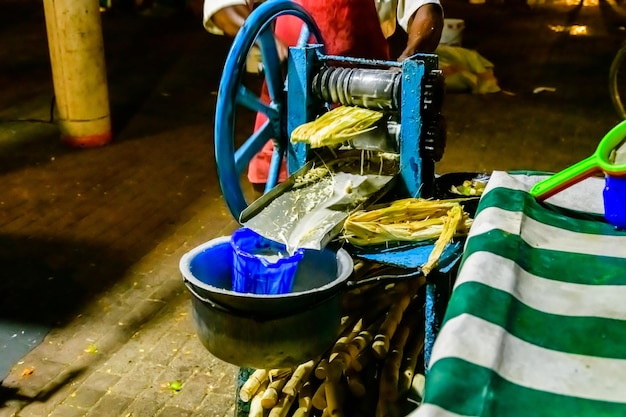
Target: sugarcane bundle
406 220
409 220
338 384
336 126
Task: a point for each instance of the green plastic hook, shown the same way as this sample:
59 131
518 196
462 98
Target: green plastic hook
600 161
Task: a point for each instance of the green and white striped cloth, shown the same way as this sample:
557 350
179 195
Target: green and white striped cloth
536 324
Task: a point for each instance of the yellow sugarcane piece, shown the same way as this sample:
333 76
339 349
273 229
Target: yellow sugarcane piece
336 126
305 400
388 328
250 387
256 409
389 377
341 345
412 351
282 408
450 226
362 360
271 394
333 392
299 377
355 383
362 340
321 369
319 398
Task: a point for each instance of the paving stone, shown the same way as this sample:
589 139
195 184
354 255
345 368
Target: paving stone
137 379
10 408
84 397
193 391
217 405
109 405
65 410
172 411
146 405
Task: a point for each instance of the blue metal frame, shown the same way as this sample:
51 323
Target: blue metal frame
232 163
416 169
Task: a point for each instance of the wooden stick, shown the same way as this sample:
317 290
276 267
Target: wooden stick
250 387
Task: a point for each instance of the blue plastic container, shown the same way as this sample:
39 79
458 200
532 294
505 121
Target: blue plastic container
615 201
261 265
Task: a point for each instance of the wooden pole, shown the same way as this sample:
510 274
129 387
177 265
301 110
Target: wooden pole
76 51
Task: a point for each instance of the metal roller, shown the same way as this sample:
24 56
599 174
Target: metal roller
370 88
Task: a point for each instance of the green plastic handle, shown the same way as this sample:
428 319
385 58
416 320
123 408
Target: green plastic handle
599 161
563 179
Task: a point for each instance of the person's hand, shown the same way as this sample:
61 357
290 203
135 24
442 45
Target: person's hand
230 19
424 30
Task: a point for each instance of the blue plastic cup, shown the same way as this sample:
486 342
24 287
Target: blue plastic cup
615 201
261 265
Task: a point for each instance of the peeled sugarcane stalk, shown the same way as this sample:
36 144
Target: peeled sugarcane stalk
321 369
355 383
256 409
250 387
282 407
412 351
389 376
299 377
362 340
394 316
389 379
319 398
339 347
305 400
362 360
334 406
389 326
271 394
419 381
387 408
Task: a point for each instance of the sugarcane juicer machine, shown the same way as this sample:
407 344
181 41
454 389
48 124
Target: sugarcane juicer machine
410 92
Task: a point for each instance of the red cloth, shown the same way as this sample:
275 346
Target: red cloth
349 28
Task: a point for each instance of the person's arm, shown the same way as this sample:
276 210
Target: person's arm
424 30
231 18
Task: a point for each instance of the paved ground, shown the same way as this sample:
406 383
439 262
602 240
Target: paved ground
90 239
